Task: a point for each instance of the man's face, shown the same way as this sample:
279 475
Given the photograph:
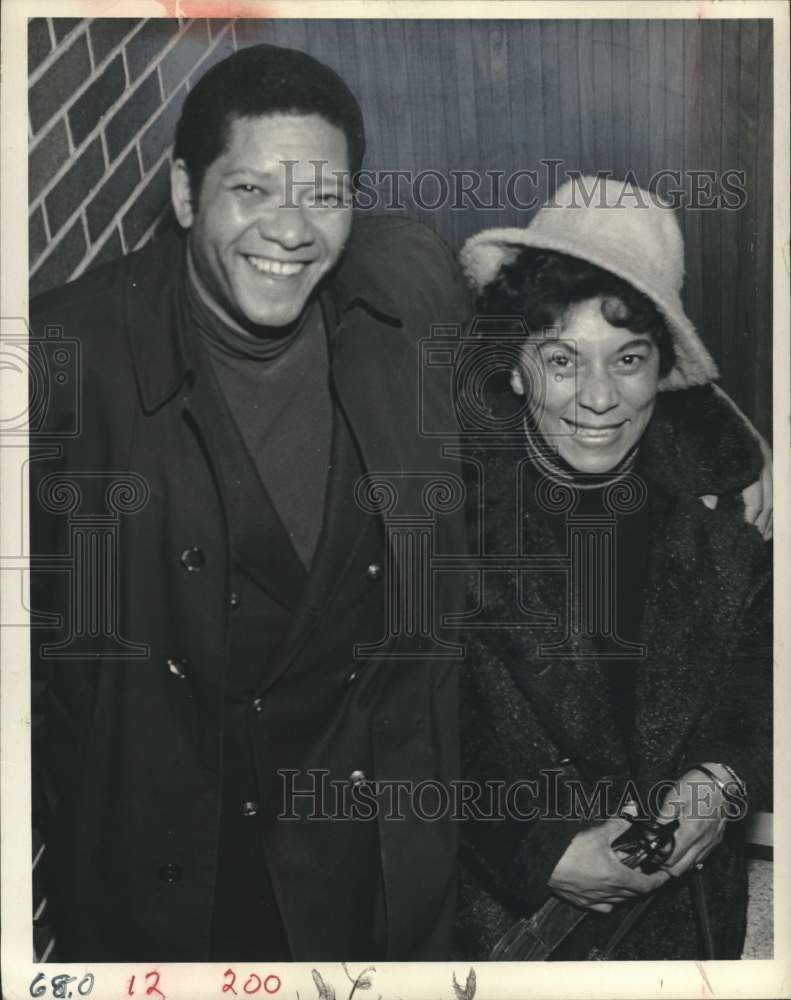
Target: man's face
269 223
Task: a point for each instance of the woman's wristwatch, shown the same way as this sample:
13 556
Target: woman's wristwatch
734 791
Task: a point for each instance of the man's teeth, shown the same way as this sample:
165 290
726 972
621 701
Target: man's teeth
282 268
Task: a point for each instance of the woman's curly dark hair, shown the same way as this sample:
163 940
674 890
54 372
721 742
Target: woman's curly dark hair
542 285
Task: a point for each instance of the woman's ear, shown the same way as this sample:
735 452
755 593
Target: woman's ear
516 382
181 193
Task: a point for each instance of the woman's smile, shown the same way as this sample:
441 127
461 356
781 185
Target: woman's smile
596 385
595 435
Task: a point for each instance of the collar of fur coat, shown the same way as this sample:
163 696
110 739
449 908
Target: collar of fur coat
696 443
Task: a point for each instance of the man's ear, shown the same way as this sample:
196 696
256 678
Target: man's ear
181 193
516 382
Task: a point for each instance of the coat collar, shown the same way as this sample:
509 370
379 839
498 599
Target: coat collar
155 320
351 286
154 312
696 443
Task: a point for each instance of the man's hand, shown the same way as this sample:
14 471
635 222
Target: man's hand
758 496
758 501
698 804
589 874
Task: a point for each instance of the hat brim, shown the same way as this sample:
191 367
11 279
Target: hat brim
483 255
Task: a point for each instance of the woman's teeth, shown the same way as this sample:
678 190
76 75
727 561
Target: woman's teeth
594 433
589 432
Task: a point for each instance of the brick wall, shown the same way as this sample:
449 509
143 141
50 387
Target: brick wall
104 96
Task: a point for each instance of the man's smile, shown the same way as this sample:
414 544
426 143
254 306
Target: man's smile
276 268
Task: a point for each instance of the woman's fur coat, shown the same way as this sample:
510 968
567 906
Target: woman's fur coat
702 692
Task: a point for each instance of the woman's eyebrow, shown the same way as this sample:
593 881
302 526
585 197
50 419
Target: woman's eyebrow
640 341
553 342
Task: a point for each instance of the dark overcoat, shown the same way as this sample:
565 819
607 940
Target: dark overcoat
702 692
128 723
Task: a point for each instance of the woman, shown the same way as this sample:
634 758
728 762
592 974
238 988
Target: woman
623 661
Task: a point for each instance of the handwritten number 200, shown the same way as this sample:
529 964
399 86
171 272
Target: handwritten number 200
252 984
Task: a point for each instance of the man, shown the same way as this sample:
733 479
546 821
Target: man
238 636
244 380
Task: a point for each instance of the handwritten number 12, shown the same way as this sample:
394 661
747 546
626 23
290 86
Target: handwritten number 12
150 990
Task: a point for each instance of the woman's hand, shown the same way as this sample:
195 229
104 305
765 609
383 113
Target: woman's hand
698 804
589 874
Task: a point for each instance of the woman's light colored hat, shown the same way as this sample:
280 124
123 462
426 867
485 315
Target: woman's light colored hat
622 229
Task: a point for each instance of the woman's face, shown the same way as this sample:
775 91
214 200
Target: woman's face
592 389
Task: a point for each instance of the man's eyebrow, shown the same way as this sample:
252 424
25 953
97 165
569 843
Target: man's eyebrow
325 181
248 171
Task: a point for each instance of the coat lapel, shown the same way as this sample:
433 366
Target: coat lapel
369 357
260 544
359 386
345 523
167 359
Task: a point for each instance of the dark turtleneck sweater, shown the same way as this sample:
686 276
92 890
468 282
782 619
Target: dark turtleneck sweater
277 389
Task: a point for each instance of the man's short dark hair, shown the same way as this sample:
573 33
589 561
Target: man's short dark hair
262 80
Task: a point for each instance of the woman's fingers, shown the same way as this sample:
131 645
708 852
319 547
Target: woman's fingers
592 900
693 844
684 863
590 874
687 847
695 855
638 884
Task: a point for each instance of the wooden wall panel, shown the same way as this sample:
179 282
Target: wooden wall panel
639 96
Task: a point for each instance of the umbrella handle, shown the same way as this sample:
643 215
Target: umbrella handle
702 916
